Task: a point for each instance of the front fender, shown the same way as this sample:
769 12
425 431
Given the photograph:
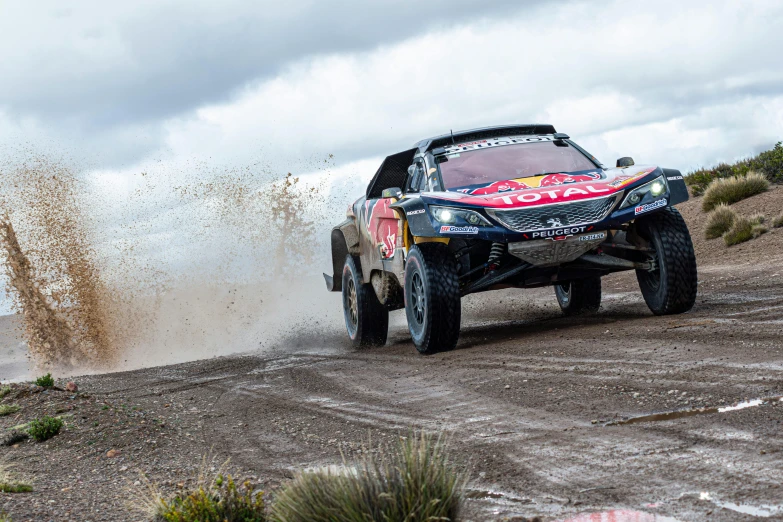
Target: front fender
345 240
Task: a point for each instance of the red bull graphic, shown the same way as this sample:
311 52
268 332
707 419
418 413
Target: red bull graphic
547 180
382 225
551 180
499 186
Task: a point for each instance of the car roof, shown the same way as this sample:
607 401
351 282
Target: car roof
484 133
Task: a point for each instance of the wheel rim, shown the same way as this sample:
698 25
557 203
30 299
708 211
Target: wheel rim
653 278
564 292
351 307
418 300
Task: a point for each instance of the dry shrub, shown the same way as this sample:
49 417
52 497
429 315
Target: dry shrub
745 229
719 221
8 409
221 501
414 481
731 190
778 221
9 483
215 497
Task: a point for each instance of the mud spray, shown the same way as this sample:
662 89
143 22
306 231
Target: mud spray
227 261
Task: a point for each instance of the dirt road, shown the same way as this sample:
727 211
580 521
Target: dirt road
533 403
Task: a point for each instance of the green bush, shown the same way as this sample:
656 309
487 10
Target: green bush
8 409
719 221
769 163
45 381
414 482
222 501
44 428
731 190
778 221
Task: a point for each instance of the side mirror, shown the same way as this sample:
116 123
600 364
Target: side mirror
395 192
625 162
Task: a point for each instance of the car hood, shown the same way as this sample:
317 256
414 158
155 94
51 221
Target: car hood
547 189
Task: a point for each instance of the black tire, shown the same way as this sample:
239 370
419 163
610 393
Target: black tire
432 298
366 319
580 296
671 287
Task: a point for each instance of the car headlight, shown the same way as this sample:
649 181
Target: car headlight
654 189
458 216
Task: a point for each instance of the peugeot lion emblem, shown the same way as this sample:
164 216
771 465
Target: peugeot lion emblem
555 222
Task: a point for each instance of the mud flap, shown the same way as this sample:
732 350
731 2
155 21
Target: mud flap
329 283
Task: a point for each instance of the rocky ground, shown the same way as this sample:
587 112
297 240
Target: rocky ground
536 405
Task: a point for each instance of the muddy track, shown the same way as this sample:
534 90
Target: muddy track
534 403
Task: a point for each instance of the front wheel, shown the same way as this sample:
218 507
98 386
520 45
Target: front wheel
432 298
366 319
580 296
671 287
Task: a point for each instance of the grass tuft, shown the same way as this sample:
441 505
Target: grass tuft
731 190
778 221
745 229
5 391
44 428
10 484
414 481
758 229
719 221
45 381
8 409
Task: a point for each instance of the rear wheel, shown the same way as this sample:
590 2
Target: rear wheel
579 296
366 319
432 298
671 287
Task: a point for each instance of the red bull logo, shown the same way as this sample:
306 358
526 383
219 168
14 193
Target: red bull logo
499 186
561 179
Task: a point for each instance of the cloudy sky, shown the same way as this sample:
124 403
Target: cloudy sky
124 85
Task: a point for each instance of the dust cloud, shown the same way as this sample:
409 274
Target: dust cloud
109 274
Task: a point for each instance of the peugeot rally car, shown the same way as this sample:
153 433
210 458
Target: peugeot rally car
514 206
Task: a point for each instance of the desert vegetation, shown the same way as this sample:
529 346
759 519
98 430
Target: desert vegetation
719 221
745 229
45 428
768 163
731 190
9 483
45 381
8 409
778 221
413 480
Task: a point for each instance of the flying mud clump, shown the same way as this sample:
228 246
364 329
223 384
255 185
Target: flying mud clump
51 270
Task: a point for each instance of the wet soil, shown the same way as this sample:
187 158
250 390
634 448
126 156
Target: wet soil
534 404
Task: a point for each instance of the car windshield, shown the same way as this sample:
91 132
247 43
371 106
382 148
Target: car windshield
507 162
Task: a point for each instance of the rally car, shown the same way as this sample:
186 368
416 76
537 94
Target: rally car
518 206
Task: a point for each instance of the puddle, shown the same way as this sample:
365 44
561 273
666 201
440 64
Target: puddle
618 515
679 414
761 510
